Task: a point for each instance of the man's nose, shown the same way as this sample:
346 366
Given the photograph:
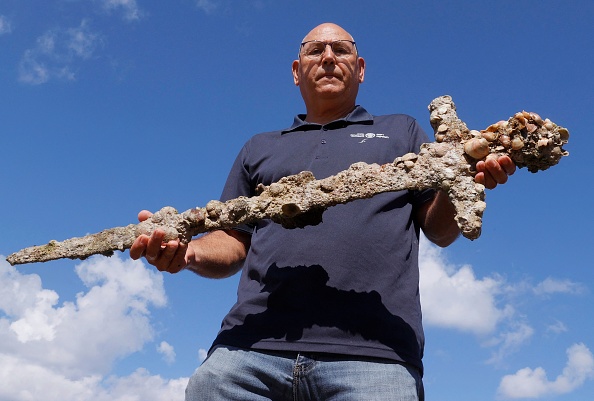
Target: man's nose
328 56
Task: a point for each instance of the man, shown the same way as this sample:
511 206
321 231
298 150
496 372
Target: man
328 312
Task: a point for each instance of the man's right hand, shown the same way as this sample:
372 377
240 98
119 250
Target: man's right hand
170 257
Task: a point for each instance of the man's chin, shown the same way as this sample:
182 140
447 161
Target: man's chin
331 89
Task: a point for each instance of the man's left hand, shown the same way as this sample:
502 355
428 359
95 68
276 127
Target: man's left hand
492 172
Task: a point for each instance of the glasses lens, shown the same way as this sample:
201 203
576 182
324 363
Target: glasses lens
343 48
340 48
313 49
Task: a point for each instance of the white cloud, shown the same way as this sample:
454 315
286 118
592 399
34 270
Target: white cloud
167 351
207 6
31 70
77 338
533 383
5 25
557 327
69 348
142 386
17 385
56 53
39 322
130 8
554 286
454 298
510 341
81 42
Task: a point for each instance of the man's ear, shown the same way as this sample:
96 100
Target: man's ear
295 68
361 63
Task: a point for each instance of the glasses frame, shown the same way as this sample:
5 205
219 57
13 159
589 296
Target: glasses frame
327 43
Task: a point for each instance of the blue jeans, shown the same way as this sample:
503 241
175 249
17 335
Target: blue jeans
235 374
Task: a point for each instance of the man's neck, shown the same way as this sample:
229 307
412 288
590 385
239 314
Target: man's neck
324 116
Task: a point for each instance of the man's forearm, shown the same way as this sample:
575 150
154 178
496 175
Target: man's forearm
219 254
437 219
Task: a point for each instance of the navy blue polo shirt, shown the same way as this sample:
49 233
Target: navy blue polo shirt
349 285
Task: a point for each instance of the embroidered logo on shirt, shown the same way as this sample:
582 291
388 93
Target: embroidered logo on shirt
368 135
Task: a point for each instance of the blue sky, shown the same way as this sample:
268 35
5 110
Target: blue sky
113 106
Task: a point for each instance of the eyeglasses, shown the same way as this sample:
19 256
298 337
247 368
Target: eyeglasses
314 49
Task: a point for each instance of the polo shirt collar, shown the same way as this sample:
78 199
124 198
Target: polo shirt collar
358 116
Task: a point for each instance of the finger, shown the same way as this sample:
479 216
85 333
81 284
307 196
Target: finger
490 182
153 247
507 164
479 178
482 176
144 215
168 252
139 247
178 261
172 257
497 173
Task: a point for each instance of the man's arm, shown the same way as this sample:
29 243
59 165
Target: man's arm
218 254
436 219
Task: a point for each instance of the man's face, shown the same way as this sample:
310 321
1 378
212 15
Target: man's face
328 75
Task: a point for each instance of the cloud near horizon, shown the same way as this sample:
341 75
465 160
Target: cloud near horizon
453 297
70 348
533 383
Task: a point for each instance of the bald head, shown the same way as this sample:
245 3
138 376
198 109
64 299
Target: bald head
328 81
328 31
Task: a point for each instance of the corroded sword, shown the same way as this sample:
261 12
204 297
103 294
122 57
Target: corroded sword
299 200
